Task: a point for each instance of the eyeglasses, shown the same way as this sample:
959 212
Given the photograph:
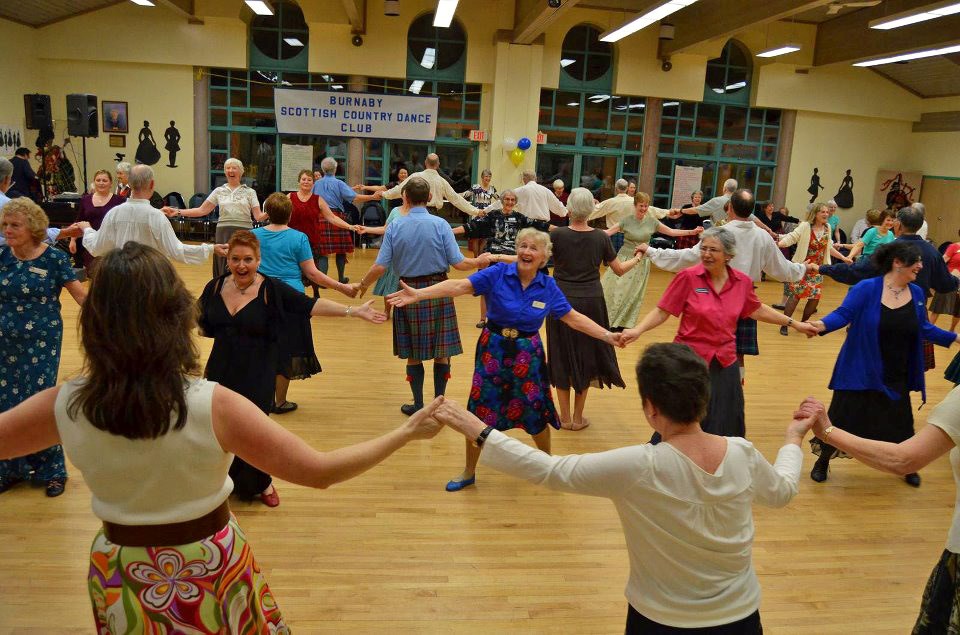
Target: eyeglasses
710 250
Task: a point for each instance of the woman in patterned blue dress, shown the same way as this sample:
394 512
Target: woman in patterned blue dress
511 384
32 274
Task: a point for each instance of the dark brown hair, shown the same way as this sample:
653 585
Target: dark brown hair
904 251
136 331
675 380
278 207
244 238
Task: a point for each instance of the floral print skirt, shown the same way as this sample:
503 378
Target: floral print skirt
511 384
210 586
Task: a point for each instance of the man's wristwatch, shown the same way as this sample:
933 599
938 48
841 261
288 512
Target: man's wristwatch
479 441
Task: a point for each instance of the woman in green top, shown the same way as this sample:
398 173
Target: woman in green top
624 294
874 237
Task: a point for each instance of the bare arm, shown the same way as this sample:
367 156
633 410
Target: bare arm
836 254
446 289
244 430
330 217
194 212
314 275
30 426
772 316
580 322
855 251
669 231
469 264
372 275
610 231
653 319
621 268
77 291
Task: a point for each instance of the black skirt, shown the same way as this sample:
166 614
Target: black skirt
870 414
576 360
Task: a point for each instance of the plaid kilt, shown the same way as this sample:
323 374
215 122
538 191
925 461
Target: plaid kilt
685 242
747 337
929 360
334 240
427 329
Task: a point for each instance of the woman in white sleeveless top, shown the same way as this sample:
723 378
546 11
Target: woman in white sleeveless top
154 443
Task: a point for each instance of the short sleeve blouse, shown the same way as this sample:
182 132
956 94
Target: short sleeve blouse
281 254
510 305
236 205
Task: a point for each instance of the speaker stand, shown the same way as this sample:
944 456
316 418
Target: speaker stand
84 166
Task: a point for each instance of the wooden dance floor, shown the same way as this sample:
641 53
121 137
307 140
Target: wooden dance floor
392 552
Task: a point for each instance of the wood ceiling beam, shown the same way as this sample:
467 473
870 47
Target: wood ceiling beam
183 8
357 13
537 17
849 38
711 19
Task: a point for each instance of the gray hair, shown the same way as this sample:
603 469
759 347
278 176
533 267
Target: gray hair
140 177
621 185
508 193
726 238
558 183
432 161
529 175
832 204
537 236
580 204
6 169
920 207
328 165
730 185
123 166
234 161
911 219
486 172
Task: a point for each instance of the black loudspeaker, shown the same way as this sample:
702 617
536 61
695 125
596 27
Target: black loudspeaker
82 118
36 109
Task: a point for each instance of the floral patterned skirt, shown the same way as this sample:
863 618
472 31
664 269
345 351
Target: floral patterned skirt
210 586
511 384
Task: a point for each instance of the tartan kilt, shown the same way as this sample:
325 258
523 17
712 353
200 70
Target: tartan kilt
426 329
929 359
685 242
334 240
747 337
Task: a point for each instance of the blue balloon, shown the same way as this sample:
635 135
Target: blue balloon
524 143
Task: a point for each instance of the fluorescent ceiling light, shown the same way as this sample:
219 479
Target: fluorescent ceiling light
337 87
565 62
780 50
631 107
292 41
444 15
911 56
574 104
429 57
920 14
667 104
642 21
598 99
416 86
260 7
143 3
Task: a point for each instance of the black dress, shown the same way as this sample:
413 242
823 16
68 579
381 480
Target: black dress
871 413
249 349
576 360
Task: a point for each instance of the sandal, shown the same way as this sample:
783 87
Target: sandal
285 407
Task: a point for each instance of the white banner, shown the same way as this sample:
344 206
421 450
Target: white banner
343 114
686 181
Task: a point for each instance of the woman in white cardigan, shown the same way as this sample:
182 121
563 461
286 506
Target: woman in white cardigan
814 245
684 504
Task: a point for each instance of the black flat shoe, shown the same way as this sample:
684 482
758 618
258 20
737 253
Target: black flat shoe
284 408
6 484
56 486
913 480
409 408
784 331
819 472
779 307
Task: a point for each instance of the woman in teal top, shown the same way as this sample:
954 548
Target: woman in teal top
874 237
285 255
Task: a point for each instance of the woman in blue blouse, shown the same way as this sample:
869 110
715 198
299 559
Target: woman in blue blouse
881 361
511 385
285 255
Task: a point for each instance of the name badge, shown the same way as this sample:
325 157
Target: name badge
39 272
701 290
537 304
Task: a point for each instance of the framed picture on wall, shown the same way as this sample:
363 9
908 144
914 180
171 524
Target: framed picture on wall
118 141
114 116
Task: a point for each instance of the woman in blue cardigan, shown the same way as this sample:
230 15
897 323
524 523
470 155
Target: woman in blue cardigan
881 361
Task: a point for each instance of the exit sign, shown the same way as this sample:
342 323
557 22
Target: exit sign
478 135
541 138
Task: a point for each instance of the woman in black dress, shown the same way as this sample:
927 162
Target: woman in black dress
578 361
249 316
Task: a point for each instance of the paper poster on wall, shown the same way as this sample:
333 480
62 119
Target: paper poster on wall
11 138
686 181
896 188
293 158
343 114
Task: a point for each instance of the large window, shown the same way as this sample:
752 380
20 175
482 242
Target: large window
722 134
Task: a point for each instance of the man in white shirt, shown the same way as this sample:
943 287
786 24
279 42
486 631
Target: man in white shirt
756 254
534 200
137 221
440 189
716 208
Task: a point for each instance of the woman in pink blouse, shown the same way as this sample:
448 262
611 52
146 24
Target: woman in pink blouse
709 299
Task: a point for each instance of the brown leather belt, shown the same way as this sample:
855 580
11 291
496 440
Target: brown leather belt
170 534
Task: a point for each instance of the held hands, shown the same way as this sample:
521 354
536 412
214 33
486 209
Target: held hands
366 312
406 295
455 416
484 260
221 250
641 249
812 269
628 336
170 212
360 229
697 231
423 424
806 328
614 339
349 290
73 231
814 414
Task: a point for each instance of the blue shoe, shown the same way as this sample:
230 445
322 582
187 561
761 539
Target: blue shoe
458 484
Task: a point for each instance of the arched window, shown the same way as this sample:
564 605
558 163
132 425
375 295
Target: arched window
279 40
434 53
586 62
728 76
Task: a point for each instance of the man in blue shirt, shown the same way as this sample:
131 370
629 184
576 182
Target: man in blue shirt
337 196
420 247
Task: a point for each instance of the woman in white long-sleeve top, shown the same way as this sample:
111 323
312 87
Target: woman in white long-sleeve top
685 504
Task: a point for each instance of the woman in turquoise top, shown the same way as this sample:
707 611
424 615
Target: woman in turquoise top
874 237
389 282
285 255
